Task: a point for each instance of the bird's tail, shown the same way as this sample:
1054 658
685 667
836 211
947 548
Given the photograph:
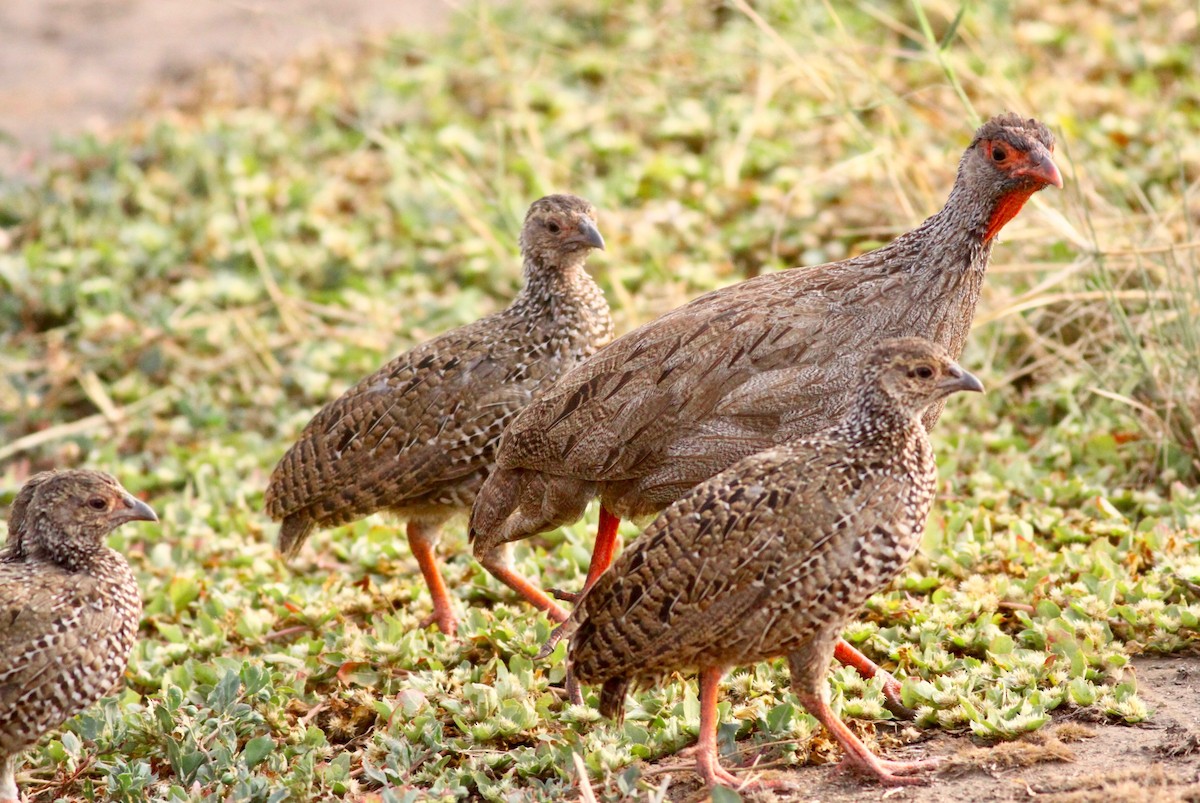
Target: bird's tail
612 698
293 532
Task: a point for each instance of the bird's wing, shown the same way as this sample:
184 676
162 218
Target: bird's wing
45 616
742 357
428 417
710 574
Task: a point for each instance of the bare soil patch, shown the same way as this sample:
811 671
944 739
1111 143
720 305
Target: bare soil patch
68 66
1070 760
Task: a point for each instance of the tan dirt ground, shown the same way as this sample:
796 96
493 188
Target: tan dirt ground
1071 760
68 66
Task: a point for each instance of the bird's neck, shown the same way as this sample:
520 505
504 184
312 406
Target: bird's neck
14 547
72 554
972 218
1004 210
958 231
876 426
557 289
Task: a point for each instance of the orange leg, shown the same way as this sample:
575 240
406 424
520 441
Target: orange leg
602 556
707 762
605 548
498 561
858 757
422 540
849 656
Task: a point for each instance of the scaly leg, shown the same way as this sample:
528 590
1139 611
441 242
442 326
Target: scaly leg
605 548
422 540
849 656
602 556
498 561
858 757
707 762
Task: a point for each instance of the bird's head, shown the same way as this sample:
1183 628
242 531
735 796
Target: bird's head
66 514
915 373
560 230
1010 159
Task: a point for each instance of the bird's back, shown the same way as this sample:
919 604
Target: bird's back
735 371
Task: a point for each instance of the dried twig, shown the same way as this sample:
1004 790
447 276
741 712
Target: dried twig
585 784
96 421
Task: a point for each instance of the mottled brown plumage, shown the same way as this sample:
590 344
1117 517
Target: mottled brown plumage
773 556
677 400
69 605
418 437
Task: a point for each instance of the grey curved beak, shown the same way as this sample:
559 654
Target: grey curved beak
590 234
961 380
137 510
1044 169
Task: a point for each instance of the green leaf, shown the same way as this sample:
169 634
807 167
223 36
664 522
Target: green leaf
723 794
948 37
257 749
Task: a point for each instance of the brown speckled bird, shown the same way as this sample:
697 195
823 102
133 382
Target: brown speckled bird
673 402
69 606
418 437
774 555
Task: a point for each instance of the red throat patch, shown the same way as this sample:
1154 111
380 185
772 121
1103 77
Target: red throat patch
1006 209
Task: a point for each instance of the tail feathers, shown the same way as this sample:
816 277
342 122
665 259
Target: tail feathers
294 532
612 698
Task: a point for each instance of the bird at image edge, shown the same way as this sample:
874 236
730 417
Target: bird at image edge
69 605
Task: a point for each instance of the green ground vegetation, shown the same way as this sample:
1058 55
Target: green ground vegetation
177 301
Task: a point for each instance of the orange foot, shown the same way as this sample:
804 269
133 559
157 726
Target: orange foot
446 622
716 775
889 773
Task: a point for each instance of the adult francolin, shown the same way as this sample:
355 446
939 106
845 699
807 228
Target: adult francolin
69 605
417 437
774 555
673 402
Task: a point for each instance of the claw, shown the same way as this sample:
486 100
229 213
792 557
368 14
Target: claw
556 635
892 698
573 692
565 596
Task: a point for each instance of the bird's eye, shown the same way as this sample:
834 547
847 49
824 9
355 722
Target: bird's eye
925 372
97 503
554 227
999 154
